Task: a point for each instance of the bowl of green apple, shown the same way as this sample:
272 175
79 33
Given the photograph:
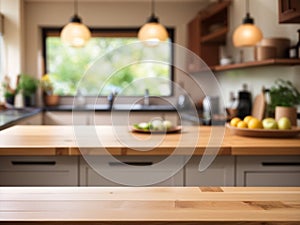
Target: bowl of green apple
156 125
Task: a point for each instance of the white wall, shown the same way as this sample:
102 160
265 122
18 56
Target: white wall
13 38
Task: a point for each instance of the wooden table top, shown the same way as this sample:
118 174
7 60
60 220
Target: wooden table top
97 140
151 205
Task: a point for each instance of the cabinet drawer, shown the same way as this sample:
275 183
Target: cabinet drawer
39 171
132 176
219 173
268 171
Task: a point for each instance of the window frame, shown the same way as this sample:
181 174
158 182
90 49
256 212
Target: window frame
108 32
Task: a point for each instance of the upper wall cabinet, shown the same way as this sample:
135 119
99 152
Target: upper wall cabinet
289 11
208 30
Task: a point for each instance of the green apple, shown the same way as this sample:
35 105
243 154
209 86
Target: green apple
284 123
167 124
143 126
157 125
269 123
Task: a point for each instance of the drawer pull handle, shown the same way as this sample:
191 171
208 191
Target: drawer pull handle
281 163
25 163
130 163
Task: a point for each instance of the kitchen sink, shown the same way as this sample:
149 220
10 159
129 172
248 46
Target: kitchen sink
127 107
142 107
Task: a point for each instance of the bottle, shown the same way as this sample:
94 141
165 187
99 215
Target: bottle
19 100
19 97
146 98
293 52
245 103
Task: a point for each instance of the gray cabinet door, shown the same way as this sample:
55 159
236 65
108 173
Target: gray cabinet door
32 120
268 171
66 118
39 171
219 173
133 175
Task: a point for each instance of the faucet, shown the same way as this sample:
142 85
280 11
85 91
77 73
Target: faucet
146 98
110 99
80 100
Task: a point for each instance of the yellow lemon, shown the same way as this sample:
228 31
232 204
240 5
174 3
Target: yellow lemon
255 123
247 119
234 121
242 124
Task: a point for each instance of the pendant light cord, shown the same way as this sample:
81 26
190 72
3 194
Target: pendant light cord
75 7
152 18
248 19
247 6
75 18
152 7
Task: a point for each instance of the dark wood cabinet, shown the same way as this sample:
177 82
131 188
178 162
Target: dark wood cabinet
289 11
208 30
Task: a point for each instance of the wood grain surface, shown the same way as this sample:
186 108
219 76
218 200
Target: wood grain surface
150 205
101 140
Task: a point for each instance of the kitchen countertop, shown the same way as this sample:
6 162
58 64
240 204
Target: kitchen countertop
118 140
9 117
150 205
116 107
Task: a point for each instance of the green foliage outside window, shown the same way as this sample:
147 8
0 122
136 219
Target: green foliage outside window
68 65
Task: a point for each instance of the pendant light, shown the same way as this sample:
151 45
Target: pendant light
75 33
247 34
153 30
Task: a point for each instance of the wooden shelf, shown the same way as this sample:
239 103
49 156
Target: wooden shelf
218 36
207 31
267 62
214 9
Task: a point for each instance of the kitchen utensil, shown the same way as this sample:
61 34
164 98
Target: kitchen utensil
264 52
211 105
259 105
281 44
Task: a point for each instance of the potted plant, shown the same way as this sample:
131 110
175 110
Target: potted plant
284 96
49 96
28 85
9 93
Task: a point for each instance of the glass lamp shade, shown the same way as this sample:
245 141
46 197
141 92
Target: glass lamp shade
75 34
153 32
247 35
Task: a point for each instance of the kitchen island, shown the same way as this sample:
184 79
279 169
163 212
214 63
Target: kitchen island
50 156
143 205
150 205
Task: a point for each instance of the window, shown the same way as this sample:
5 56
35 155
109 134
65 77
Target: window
67 65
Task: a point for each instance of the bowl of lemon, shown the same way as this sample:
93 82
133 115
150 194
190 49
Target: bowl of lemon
268 127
